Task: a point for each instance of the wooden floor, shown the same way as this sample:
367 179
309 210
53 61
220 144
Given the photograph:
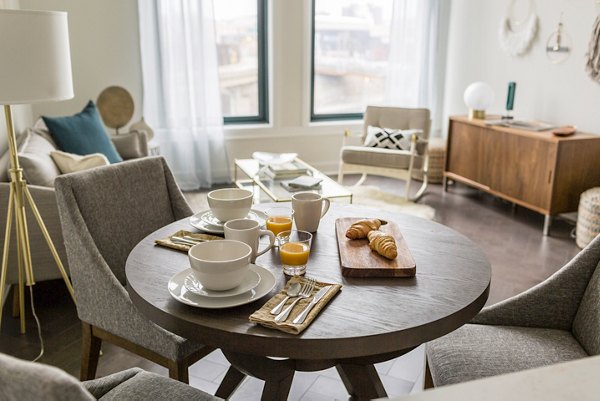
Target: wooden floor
511 238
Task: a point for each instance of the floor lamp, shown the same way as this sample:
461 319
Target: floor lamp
35 66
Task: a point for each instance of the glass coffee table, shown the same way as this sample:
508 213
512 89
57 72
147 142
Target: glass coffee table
267 189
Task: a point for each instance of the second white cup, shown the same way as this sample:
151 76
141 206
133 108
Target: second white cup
308 208
249 232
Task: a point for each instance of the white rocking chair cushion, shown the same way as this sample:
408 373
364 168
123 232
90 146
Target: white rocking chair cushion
388 138
377 157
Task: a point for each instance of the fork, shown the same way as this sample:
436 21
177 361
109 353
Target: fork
305 292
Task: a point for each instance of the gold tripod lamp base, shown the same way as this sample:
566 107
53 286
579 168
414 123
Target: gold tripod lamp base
19 195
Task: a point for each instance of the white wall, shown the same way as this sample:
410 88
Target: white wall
105 51
560 94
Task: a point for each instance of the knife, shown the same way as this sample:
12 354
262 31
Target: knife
302 316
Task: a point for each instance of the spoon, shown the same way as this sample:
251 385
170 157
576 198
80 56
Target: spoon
292 292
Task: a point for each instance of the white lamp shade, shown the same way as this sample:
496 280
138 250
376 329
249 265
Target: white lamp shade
35 61
479 96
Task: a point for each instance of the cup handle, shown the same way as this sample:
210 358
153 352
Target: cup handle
326 204
271 241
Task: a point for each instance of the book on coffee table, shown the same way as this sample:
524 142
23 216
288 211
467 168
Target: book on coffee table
290 169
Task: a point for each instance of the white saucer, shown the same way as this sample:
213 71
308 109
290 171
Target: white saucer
250 282
206 222
180 293
208 218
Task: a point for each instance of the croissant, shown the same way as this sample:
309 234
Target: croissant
361 228
382 243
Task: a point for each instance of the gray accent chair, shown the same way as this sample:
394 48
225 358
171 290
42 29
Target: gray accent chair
29 381
400 164
556 321
104 213
131 145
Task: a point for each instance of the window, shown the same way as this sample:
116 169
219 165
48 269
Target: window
350 46
241 35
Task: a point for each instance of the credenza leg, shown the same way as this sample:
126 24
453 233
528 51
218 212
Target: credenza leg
445 181
547 224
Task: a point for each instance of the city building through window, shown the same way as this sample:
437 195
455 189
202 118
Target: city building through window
240 29
350 45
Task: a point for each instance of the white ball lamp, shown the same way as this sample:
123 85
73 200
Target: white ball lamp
478 97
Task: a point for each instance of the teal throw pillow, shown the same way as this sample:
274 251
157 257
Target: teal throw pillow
82 134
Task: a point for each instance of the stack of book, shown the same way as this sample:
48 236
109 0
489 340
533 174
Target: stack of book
286 170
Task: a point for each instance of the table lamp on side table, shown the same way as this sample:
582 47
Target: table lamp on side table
35 66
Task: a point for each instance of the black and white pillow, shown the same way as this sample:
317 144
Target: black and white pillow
388 138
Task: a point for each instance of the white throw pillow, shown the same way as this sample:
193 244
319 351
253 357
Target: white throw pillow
71 163
34 157
387 138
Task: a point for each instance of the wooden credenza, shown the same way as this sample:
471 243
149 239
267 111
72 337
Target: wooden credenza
536 170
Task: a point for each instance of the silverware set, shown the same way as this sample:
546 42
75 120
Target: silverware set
186 240
304 293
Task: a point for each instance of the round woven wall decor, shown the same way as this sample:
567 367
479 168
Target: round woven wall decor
116 106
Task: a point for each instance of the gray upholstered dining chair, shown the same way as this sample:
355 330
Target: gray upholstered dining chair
104 213
24 380
393 163
558 320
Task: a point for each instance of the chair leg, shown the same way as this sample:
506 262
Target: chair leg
428 379
15 301
361 180
340 179
90 352
179 371
422 189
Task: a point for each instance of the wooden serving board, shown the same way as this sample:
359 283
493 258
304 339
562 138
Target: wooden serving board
358 260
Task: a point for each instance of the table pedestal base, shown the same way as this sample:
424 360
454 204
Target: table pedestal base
358 374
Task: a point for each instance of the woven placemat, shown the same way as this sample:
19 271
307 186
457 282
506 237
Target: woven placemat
264 317
181 233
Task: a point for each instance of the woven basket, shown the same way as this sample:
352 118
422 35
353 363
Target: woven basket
437 154
588 217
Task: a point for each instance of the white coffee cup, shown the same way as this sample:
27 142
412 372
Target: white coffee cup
249 232
230 203
309 208
220 265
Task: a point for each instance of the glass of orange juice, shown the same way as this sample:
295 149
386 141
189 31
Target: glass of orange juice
279 219
294 248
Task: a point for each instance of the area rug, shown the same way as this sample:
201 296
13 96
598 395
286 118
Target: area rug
371 196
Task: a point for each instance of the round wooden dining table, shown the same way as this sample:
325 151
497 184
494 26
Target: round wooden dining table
370 320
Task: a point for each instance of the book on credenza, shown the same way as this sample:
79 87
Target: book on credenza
527 125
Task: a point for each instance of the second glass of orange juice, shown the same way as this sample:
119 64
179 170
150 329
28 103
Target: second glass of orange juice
279 219
294 249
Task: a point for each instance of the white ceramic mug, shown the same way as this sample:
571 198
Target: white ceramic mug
230 203
249 232
309 208
220 265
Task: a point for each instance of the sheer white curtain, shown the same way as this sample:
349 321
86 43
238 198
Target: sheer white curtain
417 58
181 93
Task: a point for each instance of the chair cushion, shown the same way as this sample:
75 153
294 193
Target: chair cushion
82 133
586 326
387 158
149 386
28 381
475 351
71 163
34 158
388 138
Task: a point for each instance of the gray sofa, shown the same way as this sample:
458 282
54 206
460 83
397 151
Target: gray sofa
34 147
